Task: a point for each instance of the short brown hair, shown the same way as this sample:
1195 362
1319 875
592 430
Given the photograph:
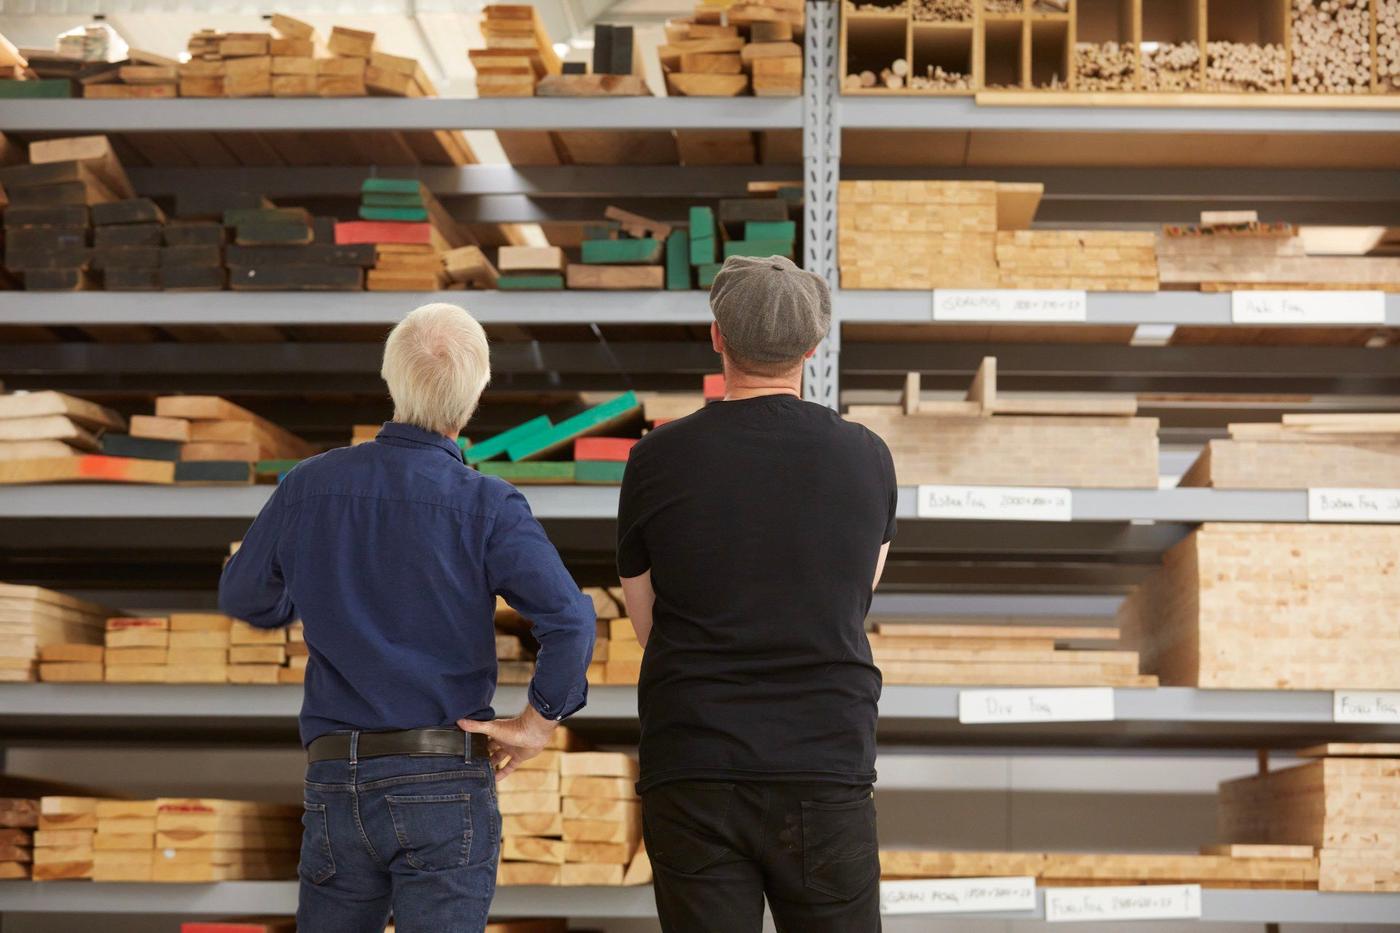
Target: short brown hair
762 368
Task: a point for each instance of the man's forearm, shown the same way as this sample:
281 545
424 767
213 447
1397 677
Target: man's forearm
641 598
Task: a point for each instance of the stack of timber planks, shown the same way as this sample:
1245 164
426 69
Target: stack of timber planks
44 627
518 52
64 841
18 818
987 439
1344 803
530 452
1233 251
973 234
408 231
1270 867
617 655
47 220
1093 260
1271 606
530 268
572 817
1008 654
52 426
626 252
286 249
723 52
1306 450
245 925
515 646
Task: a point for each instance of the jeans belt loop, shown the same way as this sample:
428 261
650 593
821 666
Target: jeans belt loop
466 747
354 748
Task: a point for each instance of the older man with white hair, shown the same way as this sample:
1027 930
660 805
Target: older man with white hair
392 554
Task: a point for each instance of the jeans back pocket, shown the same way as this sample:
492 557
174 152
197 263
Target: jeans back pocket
317 865
840 853
434 831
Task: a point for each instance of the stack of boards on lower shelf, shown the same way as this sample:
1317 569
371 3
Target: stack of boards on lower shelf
1344 803
617 655
989 438
169 839
182 648
1233 251
1002 652
1271 607
529 453
975 234
413 239
1306 450
19 817
572 818
49 437
1269 867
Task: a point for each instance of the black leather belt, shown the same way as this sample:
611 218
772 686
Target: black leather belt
441 742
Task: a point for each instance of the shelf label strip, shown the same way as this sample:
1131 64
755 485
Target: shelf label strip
1376 706
957 895
999 503
1141 902
1003 304
1354 505
1303 307
1046 704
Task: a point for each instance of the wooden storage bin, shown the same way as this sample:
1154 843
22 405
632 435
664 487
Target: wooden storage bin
1105 44
1051 63
873 40
1247 45
1333 51
947 49
1004 52
1171 45
1387 33
1278 606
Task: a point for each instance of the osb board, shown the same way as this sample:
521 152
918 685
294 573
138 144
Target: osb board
1144 150
1280 606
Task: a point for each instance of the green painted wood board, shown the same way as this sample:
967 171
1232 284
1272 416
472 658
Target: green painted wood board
759 248
770 230
602 472
496 445
414 214
511 283
597 420
535 471
678 261
705 275
392 185
606 252
389 199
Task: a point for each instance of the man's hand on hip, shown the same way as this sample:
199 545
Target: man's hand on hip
512 741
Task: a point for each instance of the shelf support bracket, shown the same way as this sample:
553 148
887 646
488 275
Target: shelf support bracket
821 158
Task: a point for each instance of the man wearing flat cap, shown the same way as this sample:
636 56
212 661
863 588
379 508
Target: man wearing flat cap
750 537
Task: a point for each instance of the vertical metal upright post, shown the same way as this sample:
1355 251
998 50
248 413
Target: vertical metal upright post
821 164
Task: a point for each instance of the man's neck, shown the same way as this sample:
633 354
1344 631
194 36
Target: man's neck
739 386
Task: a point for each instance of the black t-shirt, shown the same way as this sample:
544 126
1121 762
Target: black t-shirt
761 522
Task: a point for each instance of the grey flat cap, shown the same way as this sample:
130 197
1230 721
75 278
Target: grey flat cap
769 310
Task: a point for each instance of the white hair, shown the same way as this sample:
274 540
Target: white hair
436 363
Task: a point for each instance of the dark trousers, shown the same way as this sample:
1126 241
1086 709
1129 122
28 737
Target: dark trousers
717 849
416 834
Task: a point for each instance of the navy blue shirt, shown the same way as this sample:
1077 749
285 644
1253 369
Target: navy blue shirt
392 554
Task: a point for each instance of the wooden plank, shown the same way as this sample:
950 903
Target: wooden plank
35 404
615 277
983 390
1057 632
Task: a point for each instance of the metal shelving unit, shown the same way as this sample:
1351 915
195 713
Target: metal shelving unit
231 897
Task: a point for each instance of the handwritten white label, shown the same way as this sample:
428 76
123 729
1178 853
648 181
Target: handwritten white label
1142 902
1354 505
957 895
1000 503
1046 704
1307 307
1004 304
1366 706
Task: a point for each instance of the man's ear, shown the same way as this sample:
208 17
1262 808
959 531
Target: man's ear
810 353
716 338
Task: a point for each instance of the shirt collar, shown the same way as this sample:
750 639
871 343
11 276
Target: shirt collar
398 431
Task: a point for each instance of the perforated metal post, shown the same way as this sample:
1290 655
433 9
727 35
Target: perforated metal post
821 159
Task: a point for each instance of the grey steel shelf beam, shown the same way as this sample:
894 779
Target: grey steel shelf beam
858 306
963 113
289 309
280 897
305 115
555 502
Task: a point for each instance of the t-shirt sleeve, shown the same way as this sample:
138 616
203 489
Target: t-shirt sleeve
892 484
632 557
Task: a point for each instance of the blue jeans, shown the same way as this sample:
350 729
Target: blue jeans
420 835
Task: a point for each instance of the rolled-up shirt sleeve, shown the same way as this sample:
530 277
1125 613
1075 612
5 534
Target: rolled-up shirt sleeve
523 567
252 587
